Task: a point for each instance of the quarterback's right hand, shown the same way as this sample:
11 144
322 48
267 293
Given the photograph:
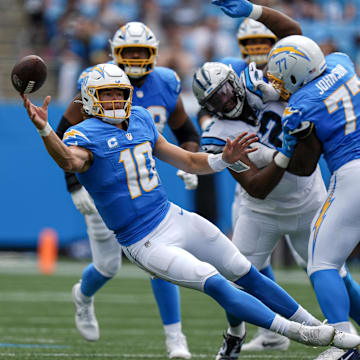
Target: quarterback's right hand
235 8
83 201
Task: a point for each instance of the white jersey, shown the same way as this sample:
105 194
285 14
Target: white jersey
294 194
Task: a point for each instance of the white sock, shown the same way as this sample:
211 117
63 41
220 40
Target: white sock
280 325
172 329
83 298
303 316
342 326
238 331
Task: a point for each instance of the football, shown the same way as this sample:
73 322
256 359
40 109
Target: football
29 74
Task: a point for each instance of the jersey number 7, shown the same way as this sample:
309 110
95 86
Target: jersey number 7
342 94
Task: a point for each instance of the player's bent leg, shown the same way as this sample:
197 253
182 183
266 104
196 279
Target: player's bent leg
167 297
106 253
275 297
335 313
265 339
246 307
353 290
268 272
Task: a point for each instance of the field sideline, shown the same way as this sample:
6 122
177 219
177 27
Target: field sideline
37 316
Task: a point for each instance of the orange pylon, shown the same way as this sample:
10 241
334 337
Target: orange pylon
47 251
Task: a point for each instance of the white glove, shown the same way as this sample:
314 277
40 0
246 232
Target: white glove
190 180
256 77
83 201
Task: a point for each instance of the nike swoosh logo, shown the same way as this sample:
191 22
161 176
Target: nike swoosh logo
270 344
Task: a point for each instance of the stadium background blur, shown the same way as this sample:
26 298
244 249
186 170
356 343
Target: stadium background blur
71 35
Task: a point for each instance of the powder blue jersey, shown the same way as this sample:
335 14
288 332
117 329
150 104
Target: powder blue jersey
158 94
123 180
332 103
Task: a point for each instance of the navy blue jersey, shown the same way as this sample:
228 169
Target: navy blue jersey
123 180
332 103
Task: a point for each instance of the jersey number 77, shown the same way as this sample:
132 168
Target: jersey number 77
342 94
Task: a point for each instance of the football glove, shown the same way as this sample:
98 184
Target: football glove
190 180
83 201
288 144
268 93
235 8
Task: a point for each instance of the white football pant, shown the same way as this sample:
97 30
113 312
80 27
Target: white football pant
105 249
335 228
187 249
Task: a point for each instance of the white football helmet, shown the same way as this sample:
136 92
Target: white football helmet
134 34
106 76
252 29
293 62
218 88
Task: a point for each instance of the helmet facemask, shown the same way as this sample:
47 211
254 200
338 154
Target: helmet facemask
256 52
255 41
225 101
136 67
278 85
113 111
135 35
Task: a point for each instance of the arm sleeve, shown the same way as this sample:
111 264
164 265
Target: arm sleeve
187 132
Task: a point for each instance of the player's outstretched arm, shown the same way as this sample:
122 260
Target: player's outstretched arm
71 159
280 24
200 163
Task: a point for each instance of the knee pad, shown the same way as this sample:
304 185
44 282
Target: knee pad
177 266
238 267
96 228
109 266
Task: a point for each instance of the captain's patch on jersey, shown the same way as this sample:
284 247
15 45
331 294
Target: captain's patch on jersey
73 134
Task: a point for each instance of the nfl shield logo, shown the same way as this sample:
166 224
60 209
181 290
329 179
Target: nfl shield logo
129 136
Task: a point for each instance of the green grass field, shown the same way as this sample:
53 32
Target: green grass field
37 316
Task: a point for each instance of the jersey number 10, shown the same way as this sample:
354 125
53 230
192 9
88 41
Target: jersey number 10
139 173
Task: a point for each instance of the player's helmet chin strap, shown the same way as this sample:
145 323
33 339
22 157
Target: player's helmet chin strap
114 116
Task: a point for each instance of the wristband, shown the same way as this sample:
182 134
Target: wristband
281 160
45 131
217 163
256 12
